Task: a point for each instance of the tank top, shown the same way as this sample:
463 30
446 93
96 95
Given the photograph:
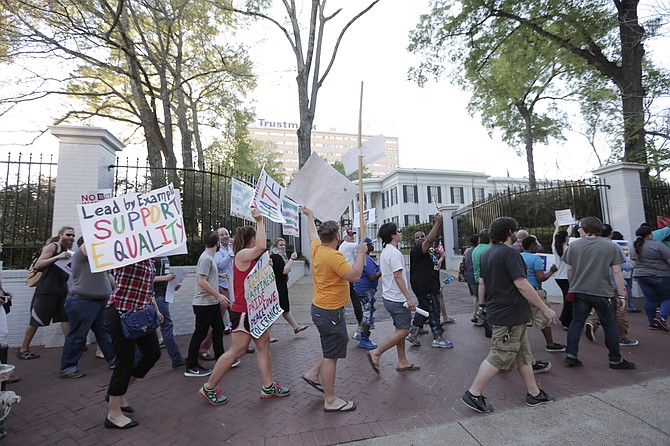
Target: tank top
240 303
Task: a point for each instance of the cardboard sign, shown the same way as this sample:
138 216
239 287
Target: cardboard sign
268 198
370 217
126 229
625 246
547 261
290 212
260 291
564 217
240 200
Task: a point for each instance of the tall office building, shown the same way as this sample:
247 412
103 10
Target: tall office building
328 145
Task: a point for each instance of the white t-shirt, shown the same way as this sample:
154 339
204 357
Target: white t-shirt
348 250
390 261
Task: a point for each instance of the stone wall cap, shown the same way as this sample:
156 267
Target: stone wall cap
623 165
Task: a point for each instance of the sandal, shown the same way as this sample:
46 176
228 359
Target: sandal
448 320
26 355
300 328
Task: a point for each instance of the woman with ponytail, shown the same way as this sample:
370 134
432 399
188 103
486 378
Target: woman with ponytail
652 272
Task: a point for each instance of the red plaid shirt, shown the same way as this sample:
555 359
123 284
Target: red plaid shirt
134 286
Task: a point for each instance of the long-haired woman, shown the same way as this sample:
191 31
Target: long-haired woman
652 272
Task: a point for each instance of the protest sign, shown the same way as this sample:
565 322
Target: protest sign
625 246
547 261
260 291
240 200
372 149
93 196
369 215
126 229
290 212
268 197
564 217
322 189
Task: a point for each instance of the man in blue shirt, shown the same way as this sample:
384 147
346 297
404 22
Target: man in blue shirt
366 288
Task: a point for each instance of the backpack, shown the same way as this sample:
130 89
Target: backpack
35 274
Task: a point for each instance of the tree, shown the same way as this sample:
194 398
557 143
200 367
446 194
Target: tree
584 28
308 52
337 165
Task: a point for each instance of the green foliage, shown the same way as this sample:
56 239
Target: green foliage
337 165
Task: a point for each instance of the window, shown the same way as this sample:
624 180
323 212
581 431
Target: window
395 219
394 196
434 194
410 194
411 220
384 199
457 195
477 193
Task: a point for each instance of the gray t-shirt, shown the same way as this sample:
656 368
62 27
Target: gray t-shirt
84 283
591 259
652 261
206 267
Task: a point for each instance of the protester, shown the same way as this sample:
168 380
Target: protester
48 302
558 247
366 288
249 244
504 289
331 272
397 300
5 300
348 249
281 265
133 291
161 281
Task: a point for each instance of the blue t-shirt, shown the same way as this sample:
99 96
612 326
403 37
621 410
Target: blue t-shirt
533 263
365 283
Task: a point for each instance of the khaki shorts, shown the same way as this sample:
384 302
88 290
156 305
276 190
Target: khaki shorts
509 347
537 317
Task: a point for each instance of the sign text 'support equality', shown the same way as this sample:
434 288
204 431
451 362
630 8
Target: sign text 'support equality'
132 227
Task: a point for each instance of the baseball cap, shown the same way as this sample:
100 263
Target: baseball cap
368 240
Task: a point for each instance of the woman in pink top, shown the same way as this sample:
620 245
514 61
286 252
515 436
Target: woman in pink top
248 246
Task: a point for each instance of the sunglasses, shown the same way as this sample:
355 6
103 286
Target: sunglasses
68 235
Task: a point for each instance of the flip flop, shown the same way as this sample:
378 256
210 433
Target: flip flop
374 365
409 368
300 328
343 407
316 385
273 340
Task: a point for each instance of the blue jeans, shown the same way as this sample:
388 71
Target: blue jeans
167 330
656 292
606 310
368 300
629 289
84 315
431 304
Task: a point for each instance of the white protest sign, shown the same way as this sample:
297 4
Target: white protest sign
173 284
370 217
268 197
93 196
625 246
564 217
126 229
240 200
322 189
547 261
290 212
372 150
65 264
260 291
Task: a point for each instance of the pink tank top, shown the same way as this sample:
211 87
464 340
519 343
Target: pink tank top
240 303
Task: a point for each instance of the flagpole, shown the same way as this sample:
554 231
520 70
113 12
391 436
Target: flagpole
361 201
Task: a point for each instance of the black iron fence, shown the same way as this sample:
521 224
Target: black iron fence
656 201
534 209
27 188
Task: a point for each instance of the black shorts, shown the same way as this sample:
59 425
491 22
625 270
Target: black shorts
332 328
239 322
46 308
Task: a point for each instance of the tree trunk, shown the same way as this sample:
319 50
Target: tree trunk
196 136
528 138
306 121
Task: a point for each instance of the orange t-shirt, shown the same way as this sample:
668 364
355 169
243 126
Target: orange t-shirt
331 291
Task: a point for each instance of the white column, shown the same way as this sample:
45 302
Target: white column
86 158
624 196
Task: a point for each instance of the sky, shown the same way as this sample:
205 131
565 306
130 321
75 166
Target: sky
432 123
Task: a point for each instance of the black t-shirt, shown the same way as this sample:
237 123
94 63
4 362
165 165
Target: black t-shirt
162 268
54 278
424 273
505 305
278 265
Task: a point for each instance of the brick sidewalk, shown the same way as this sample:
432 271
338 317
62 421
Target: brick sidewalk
71 412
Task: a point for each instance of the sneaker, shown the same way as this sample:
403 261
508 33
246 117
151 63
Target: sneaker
214 396
481 314
662 323
356 336
633 310
476 403
161 343
590 331
654 326
372 326
414 340
442 343
367 344
228 330
623 365
423 331
275 389
235 363
197 372
177 364
542 398
74 375
541 366
555 347
629 342
572 362
99 355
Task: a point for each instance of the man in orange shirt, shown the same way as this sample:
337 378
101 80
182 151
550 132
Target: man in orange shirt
331 274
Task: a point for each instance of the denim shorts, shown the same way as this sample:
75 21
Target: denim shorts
332 328
509 347
402 318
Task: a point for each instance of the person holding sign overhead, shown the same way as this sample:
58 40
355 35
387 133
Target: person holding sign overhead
248 245
331 273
